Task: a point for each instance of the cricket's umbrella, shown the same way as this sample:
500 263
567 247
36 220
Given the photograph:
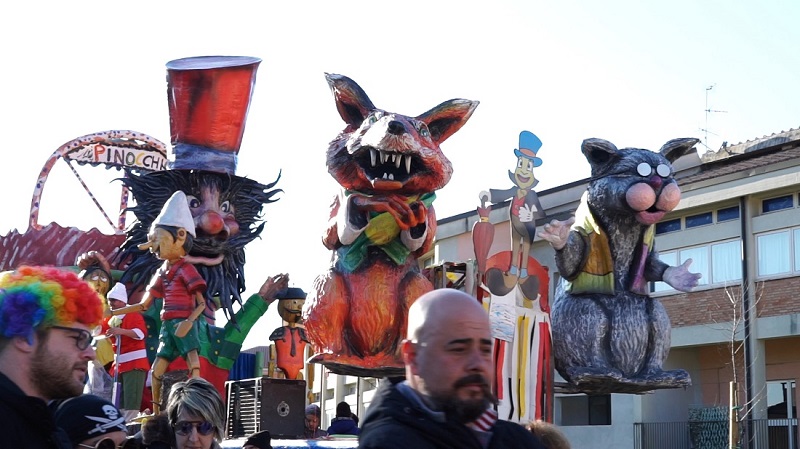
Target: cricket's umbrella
482 237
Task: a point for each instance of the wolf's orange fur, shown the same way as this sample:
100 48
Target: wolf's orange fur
388 166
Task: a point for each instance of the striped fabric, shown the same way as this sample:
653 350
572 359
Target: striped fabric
485 422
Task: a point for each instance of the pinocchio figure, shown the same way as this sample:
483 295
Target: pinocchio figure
290 339
178 283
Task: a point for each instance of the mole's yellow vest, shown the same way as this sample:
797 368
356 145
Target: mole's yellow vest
597 274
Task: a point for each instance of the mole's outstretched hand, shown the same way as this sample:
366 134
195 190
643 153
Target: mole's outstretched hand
680 278
556 232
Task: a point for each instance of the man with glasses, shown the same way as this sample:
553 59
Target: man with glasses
46 315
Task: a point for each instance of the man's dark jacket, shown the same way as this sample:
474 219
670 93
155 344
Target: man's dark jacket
394 421
26 422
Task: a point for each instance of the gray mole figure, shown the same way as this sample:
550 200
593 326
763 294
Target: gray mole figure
609 335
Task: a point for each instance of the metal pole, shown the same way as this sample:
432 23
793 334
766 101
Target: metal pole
733 414
788 392
323 387
115 391
747 291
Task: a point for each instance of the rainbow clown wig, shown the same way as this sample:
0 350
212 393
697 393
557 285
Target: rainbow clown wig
33 298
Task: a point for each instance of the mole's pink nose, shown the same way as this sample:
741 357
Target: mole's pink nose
640 197
669 198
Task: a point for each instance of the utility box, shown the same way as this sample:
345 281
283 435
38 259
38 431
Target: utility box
276 405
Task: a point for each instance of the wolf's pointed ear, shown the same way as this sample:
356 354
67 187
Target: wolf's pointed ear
448 117
352 102
676 148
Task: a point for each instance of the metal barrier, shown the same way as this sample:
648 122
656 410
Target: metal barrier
756 434
666 435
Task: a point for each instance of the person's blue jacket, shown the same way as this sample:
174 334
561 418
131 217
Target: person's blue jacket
343 426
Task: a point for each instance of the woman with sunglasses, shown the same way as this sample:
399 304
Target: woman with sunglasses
92 422
196 412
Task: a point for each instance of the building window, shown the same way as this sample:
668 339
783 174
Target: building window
777 203
699 220
796 248
668 226
729 213
585 410
718 263
670 258
726 260
700 261
774 252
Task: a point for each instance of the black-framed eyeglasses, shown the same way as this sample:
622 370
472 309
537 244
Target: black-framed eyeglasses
185 427
105 443
82 340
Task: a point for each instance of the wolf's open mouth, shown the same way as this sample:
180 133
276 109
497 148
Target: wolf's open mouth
388 165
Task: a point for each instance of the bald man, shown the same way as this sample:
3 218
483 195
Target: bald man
446 400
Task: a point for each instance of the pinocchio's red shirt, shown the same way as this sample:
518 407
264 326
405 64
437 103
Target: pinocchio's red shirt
177 285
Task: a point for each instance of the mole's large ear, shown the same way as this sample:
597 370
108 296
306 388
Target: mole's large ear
676 148
352 102
599 153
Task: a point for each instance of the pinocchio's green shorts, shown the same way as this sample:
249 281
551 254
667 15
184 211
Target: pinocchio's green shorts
171 347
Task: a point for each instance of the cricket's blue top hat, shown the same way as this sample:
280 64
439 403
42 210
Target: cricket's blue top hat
529 144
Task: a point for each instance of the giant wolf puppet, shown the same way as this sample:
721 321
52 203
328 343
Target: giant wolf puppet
389 166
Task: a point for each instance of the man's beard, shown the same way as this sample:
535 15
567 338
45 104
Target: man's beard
465 410
52 376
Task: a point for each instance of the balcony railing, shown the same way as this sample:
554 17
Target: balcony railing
760 433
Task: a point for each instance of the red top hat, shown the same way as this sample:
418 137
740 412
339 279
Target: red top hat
208 100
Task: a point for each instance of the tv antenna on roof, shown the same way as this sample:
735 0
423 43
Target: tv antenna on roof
708 111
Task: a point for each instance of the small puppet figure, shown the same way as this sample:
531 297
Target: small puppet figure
290 339
131 365
179 285
525 207
96 270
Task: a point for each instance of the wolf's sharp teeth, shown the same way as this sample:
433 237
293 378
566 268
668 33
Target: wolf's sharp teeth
398 159
385 176
394 156
372 156
383 156
408 164
391 177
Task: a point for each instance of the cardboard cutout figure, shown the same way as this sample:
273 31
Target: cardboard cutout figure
525 208
180 287
609 336
389 166
513 287
290 339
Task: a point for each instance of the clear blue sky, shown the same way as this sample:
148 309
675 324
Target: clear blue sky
635 73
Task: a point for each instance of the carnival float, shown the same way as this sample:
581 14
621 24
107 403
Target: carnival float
601 330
